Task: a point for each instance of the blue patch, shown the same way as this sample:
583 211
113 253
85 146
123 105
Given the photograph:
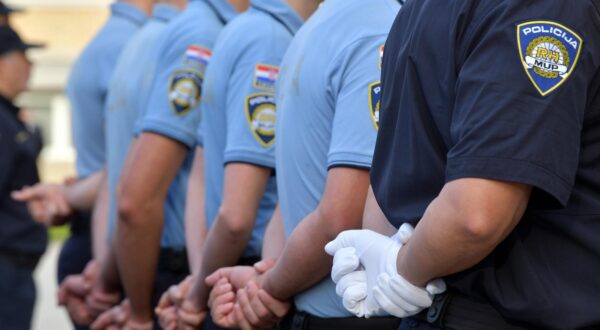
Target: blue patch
549 52
260 113
185 90
375 102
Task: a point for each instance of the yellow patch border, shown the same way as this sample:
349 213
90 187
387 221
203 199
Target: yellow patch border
249 120
371 110
171 83
527 69
255 78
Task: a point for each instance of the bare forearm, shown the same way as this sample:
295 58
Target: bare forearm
373 217
274 239
444 243
304 250
109 274
83 194
138 248
341 208
195 213
100 221
195 228
221 249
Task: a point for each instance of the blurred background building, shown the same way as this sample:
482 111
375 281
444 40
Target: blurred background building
65 26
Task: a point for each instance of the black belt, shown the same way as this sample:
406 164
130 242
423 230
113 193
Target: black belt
248 261
305 321
453 310
173 261
21 260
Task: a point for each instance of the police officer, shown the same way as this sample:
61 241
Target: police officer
148 212
22 241
327 102
5 12
124 100
237 135
489 140
86 90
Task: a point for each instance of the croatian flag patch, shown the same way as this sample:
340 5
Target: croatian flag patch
197 55
265 76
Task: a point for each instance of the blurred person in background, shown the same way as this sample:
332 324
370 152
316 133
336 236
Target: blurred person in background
24 113
5 12
22 241
87 90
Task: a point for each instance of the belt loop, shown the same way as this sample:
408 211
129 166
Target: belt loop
299 321
435 314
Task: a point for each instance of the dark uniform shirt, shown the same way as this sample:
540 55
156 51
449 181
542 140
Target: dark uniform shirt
502 90
19 234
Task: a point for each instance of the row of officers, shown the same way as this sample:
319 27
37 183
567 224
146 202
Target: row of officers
298 164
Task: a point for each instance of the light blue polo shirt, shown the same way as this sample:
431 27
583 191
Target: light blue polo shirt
239 103
88 83
132 83
170 106
327 98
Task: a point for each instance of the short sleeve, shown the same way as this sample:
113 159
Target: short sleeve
173 109
355 89
520 101
251 110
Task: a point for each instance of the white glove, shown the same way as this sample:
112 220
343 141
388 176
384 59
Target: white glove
377 254
403 234
387 291
353 290
350 277
396 296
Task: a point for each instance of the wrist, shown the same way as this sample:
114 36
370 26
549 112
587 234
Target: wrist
267 283
193 298
403 269
137 322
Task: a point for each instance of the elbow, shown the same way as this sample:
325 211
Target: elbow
480 229
236 226
130 210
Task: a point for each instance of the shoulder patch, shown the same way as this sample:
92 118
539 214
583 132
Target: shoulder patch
549 52
197 57
260 113
265 77
185 89
375 102
381 48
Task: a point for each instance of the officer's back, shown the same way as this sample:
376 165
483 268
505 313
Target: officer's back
463 97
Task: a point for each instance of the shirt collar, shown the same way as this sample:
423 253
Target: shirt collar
222 8
8 105
129 12
281 11
164 12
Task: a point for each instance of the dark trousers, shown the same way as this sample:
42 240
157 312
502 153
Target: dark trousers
17 296
304 321
76 251
172 269
411 324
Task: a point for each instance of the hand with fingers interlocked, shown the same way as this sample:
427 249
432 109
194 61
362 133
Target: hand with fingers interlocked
366 278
